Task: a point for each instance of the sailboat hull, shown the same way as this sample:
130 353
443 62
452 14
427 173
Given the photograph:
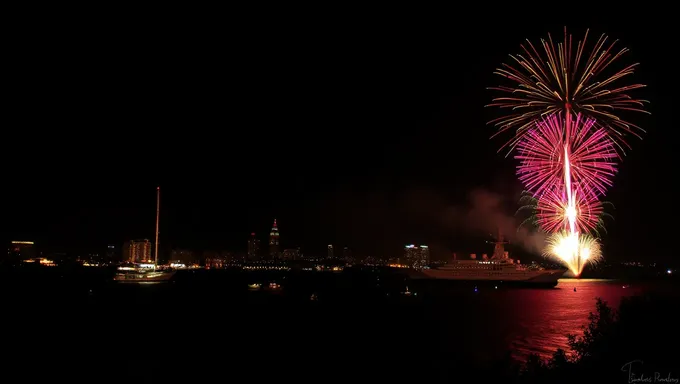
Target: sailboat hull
144 277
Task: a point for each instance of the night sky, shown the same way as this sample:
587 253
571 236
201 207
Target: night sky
361 131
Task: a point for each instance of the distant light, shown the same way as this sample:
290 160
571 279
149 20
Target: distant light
669 271
423 246
252 234
22 242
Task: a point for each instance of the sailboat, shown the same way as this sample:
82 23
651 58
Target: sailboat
140 274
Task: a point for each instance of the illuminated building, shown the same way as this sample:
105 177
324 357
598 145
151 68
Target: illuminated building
111 253
137 251
214 259
347 255
274 242
47 262
92 259
410 253
253 247
424 255
215 263
182 256
21 250
41 261
291 254
330 252
417 257
370 260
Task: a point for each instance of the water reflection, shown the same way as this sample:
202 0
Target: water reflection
544 317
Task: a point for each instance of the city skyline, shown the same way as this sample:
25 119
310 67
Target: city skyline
373 156
340 193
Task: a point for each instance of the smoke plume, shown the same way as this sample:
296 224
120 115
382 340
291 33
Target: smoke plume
487 212
381 223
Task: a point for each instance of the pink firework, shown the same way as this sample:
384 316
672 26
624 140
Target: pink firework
554 213
541 154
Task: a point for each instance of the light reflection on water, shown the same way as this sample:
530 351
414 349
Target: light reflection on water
482 324
543 318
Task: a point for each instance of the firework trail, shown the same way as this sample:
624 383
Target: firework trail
567 79
565 105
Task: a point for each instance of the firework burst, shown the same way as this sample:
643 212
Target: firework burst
550 213
553 211
541 154
569 79
565 163
567 104
574 250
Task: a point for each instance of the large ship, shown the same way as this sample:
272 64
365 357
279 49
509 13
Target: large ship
146 273
499 269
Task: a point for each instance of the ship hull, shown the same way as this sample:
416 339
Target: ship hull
443 285
544 279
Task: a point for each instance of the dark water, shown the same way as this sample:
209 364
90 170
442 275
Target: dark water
538 320
211 317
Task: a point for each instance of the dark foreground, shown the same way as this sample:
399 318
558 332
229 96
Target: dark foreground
207 326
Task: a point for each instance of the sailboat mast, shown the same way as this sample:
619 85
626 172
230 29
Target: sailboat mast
158 212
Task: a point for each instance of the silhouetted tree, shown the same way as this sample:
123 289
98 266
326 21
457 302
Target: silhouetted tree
641 329
560 360
596 335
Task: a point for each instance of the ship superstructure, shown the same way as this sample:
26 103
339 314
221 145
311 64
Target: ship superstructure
500 267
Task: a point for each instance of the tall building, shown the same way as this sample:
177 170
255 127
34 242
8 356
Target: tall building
424 255
347 256
214 259
416 257
292 254
253 247
137 251
21 250
274 242
111 253
125 252
331 256
92 258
